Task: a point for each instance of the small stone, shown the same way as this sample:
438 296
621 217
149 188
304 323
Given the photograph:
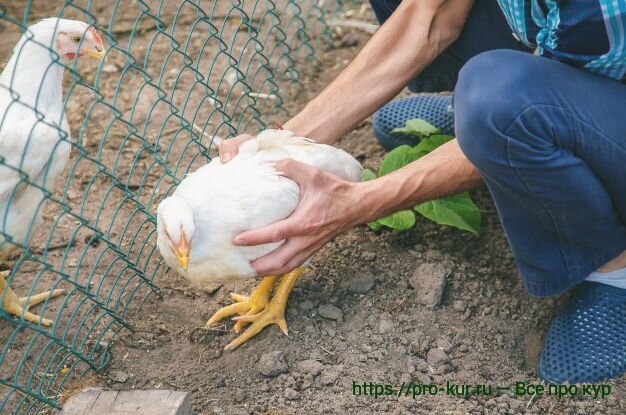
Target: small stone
306 305
220 383
330 312
312 367
110 68
437 357
459 306
385 325
444 345
240 395
211 288
429 282
273 364
118 376
330 375
361 284
291 394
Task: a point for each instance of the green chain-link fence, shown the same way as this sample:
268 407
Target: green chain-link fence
178 76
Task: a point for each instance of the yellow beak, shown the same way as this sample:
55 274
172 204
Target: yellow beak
182 251
183 259
98 54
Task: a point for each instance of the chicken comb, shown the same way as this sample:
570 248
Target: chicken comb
95 34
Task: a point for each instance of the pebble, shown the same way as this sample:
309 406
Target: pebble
273 364
118 376
385 325
291 394
306 305
459 306
361 284
437 357
330 312
312 367
429 282
240 395
330 375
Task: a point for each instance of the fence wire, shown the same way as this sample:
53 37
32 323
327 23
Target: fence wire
178 77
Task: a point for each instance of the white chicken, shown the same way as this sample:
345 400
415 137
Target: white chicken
197 223
34 136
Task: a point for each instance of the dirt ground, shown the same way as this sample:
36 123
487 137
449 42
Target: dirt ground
354 317
489 331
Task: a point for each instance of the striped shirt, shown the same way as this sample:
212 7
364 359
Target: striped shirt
584 33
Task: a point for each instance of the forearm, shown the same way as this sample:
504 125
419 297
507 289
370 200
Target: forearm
411 38
443 172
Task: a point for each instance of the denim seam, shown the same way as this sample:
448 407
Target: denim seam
521 178
572 271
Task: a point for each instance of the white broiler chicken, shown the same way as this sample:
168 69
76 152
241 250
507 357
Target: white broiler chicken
34 136
197 223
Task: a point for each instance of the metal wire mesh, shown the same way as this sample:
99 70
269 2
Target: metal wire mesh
178 76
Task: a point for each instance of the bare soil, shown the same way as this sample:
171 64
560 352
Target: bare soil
486 330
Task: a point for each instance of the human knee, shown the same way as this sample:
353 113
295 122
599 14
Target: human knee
490 93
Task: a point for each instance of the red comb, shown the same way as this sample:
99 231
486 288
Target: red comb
95 34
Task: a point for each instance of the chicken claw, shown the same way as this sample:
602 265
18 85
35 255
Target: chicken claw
246 305
19 306
274 313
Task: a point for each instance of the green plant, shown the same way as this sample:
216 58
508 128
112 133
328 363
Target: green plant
457 210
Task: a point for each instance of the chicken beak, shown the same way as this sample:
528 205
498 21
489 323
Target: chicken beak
182 251
96 53
183 259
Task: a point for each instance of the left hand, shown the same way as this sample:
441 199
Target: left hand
328 206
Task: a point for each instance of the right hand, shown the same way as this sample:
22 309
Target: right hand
230 147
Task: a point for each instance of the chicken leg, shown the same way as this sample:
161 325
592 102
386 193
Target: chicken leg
253 304
272 313
19 307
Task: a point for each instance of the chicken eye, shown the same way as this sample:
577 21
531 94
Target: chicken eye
76 39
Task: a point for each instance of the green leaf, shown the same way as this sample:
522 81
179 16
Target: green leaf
430 143
367 175
458 211
375 225
402 220
396 158
417 127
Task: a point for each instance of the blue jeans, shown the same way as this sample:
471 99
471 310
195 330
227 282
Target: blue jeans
549 140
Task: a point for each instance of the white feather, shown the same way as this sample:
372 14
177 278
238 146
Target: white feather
245 193
34 134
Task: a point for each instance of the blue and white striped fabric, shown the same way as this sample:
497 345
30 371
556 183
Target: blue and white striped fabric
585 33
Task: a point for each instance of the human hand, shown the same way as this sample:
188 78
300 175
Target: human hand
229 148
328 206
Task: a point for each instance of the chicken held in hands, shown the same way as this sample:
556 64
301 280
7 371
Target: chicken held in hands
197 223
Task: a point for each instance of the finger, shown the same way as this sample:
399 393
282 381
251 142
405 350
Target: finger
295 262
287 257
275 232
230 148
279 257
296 171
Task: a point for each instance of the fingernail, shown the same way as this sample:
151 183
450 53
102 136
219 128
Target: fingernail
226 157
237 240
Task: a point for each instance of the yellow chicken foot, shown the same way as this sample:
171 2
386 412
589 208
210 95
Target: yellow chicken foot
19 306
254 304
274 313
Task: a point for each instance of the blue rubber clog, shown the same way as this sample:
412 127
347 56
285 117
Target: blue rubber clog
436 109
586 342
